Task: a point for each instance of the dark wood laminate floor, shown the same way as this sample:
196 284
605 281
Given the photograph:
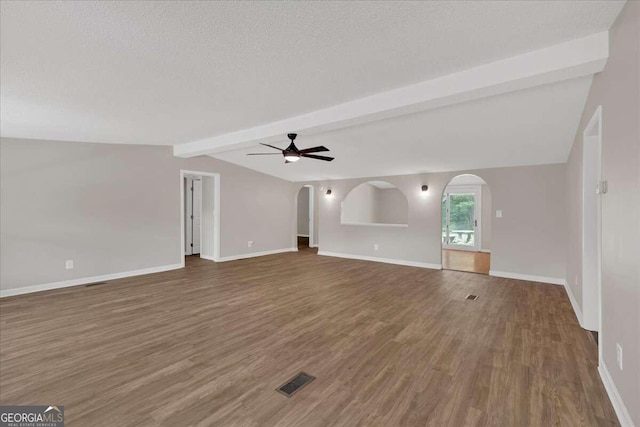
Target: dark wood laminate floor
390 346
303 245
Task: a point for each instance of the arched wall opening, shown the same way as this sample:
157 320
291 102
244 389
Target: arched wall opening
305 225
377 203
466 223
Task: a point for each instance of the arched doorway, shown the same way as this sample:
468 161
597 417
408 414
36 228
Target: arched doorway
306 239
466 225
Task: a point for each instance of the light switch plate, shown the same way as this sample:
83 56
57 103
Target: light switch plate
498 214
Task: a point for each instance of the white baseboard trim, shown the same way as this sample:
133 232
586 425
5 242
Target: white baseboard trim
86 280
384 260
486 251
255 254
208 258
530 278
313 246
303 235
574 304
618 404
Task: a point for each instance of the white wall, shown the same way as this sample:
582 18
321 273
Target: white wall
303 211
116 208
617 90
530 239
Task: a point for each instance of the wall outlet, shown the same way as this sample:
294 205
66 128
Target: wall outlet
498 214
619 355
375 246
250 243
68 264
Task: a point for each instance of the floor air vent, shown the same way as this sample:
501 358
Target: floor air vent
472 297
295 384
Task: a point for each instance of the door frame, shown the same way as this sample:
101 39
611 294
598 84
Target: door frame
477 192
216 212
189 250
312 235
592 310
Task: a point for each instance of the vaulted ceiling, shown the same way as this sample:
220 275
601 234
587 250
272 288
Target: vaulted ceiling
180 73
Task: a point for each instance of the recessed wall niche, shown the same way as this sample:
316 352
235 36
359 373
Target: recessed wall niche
376 203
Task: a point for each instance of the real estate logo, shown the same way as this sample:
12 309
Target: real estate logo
32 416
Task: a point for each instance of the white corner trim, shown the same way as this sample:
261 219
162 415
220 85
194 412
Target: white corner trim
618 404
530 278
384 260
303 235
574 304
85 280
255 254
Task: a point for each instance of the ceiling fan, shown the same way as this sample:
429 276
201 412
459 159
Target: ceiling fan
293 154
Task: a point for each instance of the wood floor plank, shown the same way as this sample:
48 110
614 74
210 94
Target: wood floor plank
390 346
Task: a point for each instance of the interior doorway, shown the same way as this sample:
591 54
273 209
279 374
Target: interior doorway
466 225
305 231
199 215
591 222
192 214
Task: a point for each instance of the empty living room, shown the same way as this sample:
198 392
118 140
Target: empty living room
308 213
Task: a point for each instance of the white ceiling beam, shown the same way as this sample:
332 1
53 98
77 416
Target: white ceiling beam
564 61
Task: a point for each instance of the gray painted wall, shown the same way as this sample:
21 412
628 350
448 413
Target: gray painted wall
360 205
116 208
486 217
530 238
303 211
391 206
617 89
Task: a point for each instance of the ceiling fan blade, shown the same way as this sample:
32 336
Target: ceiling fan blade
264 154
312 156
267 145
314 150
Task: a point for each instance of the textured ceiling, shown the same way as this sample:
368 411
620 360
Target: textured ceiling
173 72
528 127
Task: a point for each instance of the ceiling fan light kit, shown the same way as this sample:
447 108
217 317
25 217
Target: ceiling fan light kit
293 154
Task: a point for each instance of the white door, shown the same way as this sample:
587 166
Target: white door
461 218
